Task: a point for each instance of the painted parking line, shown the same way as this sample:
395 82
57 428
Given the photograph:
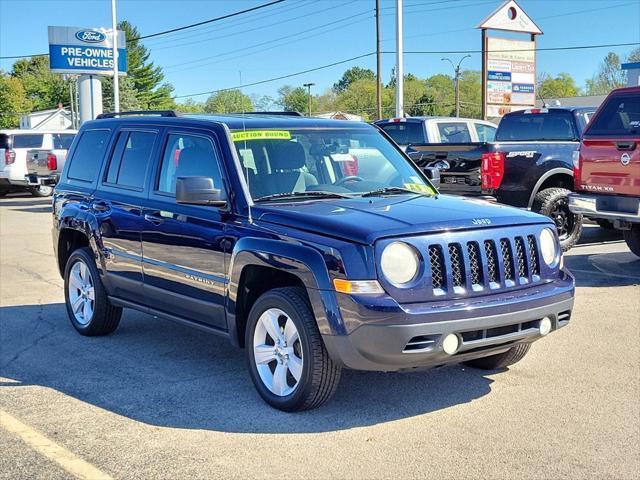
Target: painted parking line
41 444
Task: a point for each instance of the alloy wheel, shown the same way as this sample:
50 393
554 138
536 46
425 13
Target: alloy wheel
81 292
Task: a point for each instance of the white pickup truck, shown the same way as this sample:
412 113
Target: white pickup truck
32 159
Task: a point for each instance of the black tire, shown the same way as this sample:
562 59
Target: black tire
554 203
606 224
3 193
320 375
41 191
106 317
501 360
632 237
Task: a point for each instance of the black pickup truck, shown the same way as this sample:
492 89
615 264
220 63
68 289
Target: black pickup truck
530 164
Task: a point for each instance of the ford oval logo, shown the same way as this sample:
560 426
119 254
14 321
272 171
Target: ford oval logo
91 36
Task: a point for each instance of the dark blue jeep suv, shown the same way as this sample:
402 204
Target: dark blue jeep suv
314 244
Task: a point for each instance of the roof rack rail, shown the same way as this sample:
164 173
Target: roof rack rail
279 113
161 113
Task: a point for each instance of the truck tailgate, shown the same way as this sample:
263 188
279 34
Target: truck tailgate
37 162
610 166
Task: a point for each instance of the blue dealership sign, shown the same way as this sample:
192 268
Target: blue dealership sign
523 88
499 76
85 51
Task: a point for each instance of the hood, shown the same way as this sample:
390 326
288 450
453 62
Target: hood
365 220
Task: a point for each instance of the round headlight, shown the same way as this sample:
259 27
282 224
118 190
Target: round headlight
399 262
548 246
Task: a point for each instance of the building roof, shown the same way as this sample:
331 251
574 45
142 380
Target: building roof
580 101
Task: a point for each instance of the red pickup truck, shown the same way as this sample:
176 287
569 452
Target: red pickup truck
607 168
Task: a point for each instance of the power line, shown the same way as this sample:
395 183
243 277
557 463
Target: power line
547 49
172 30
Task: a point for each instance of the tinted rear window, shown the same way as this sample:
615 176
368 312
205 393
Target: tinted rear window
27 141
88 154
552 126
4 140
62 141
130 159
405 133
619 116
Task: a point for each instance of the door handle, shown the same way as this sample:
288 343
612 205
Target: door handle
156 220
100 206
628 146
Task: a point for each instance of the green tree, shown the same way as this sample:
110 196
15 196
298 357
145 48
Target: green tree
441 91
190 106
43 88
228 101
13 101
146 78
470 94
262 103
128 95
608 77
560 86
360 98
634 56
295 99
352 75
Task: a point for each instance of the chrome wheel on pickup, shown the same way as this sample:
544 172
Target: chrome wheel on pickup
288 362
89 309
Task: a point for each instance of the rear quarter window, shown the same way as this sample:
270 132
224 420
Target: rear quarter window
62 141
405 133
454 132
27 141
88 155
620 116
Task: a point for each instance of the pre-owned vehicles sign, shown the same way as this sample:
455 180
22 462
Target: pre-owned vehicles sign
85 50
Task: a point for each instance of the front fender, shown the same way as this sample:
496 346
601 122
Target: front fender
304 262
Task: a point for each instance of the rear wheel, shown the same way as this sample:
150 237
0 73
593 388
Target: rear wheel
42 191
88 306
632 237
288 362
554 203
502 360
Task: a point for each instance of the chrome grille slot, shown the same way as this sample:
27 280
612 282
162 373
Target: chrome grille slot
492 261
475 263
521 258
457 265
507 259
436 260
533 255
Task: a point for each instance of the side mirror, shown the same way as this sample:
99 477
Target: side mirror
432 174
198 191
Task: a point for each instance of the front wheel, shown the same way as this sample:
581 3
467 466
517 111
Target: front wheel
554 203
501 360
42 191
288 362
632 238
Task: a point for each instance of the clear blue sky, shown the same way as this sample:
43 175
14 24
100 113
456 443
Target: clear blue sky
301 34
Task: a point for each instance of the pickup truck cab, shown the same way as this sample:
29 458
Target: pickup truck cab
30 159
607 167
313 244
528 165
439 130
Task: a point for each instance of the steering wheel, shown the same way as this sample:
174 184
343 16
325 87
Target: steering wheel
349 178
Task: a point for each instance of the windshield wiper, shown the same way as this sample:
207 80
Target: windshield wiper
393 191
313 193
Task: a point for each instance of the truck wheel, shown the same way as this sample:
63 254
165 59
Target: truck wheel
632 237
554 203
88 307
42 191
502 360
288 362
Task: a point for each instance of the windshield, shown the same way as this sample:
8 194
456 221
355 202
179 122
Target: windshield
556 126
348 162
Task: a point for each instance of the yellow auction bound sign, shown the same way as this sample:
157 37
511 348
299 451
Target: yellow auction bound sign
260 135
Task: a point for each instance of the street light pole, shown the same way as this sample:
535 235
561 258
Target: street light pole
309 85
116 79
399 62
456 70
378 65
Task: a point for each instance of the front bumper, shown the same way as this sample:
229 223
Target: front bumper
414 341
609 207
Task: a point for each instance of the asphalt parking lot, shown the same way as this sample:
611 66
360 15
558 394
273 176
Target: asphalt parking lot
158 400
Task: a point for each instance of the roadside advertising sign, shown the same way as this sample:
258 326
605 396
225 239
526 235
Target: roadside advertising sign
85 51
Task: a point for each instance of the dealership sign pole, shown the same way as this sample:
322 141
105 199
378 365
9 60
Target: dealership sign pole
116 79
88 52
508 66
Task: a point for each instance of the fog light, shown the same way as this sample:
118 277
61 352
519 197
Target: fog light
545 326
450 344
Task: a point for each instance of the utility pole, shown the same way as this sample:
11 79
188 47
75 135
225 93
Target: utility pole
309 85
116 80
456 80
399 66
378 65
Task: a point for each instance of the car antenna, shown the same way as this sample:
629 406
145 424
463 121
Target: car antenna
244 129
